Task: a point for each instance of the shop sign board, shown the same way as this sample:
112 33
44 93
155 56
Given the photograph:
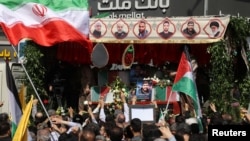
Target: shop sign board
129 8
7 52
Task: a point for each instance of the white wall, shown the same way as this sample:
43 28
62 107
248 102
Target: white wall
3 89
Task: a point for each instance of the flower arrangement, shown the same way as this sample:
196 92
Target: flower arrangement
159 82
118 87
164 82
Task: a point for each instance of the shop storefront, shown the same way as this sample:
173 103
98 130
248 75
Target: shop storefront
155 38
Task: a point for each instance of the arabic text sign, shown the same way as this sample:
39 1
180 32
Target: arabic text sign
110 5
130 8
159 30
6 52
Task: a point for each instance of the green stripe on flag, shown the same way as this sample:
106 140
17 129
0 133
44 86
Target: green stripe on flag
56 5
13 128
187 86
102 15
160 93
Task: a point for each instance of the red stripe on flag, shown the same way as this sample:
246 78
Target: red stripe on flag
104 91
183 68
49 34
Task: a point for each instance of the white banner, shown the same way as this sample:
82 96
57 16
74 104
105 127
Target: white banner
159 30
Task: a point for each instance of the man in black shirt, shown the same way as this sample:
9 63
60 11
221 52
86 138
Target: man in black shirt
166 33
189 31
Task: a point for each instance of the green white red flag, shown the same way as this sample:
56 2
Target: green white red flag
184 82
46 22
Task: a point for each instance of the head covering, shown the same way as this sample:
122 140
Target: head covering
214 23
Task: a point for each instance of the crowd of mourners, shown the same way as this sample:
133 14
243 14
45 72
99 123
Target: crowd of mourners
94 123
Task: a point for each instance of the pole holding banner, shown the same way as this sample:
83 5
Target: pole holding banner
26 73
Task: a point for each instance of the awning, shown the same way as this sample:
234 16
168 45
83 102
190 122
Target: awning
159 54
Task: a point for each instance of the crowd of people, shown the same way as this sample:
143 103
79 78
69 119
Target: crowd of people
93 122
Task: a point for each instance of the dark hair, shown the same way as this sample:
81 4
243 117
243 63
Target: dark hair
109 126
127 132
190 22
67 137
86 135
116 134
184 128
214 23
4 117
136 124
166 21
142 21
151 132
92 127
4 128
180 119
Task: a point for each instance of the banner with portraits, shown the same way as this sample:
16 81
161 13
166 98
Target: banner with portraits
196 30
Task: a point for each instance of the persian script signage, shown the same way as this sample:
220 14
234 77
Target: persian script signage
159 30
6 52
130 8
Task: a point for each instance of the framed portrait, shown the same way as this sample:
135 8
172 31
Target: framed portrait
144 90
190 29
120 29
166 29
214 28
146 113
142 29
98 29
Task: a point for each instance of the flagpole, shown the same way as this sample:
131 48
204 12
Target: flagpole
33 87
198 115
185 82
197 96
165 113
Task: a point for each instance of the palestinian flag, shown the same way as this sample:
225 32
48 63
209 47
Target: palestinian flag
184 82
15 104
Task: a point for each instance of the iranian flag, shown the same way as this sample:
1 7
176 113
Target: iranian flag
184 82
46 22
15 104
